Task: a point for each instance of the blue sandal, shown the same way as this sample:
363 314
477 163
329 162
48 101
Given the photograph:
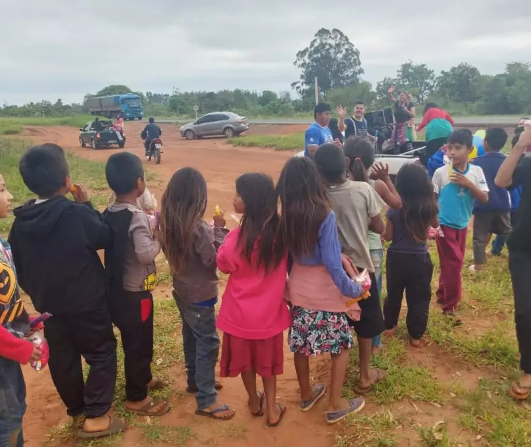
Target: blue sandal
356 405
212 413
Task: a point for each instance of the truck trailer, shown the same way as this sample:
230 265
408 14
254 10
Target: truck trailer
128 105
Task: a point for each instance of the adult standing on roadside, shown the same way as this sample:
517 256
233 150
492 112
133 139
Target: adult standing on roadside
514 172
404 112
318 133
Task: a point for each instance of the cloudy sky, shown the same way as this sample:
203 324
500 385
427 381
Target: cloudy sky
66 48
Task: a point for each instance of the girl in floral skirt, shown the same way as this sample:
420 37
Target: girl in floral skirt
317 287
253 314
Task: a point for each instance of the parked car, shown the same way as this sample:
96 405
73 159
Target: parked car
226 124
106 137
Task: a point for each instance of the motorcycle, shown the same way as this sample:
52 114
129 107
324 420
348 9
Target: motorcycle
155 150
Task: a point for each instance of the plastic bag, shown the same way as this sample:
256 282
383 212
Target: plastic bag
364 280
434 233
39 341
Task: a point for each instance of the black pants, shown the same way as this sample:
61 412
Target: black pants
431 149
132 313
412 273
520 268
90 336
371 322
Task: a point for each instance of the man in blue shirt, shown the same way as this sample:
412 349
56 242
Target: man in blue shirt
318 133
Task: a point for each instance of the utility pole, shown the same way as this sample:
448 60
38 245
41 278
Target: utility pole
316 91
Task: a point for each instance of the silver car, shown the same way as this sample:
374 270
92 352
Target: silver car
216 124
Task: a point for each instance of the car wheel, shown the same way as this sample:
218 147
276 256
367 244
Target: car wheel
228 132
81 142
189 135
121 145
93 144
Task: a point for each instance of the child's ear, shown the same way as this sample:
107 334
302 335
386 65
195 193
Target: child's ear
67 183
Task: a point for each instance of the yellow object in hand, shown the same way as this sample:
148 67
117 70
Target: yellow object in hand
73 188
217 211
450 168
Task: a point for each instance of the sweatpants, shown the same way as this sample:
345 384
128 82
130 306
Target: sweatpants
520 268
12 403
431 149
87 335
411 273
484 224
451 250
132 313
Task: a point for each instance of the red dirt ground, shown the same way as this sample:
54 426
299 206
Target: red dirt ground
221 163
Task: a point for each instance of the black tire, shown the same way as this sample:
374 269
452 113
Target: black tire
93 144
121 145
81 142
157 156
228 132
189 134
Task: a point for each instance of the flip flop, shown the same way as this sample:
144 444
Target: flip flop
260 412
282 409
116 426
516 391
193 389
319 391
356 405
362 390
212 414
158 385
144 411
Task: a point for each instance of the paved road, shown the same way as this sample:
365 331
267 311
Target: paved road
476 121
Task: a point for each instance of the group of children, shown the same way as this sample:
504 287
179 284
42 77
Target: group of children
290 267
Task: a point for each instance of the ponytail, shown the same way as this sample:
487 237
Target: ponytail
358 171
360 153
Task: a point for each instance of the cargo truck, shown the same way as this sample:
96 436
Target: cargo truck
128 105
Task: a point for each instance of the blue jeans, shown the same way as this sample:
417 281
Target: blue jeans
12 403
201 349
377 261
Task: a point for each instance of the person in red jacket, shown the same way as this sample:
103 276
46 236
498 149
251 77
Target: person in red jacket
14 349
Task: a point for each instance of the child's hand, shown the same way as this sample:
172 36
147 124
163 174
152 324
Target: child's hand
36 354
380 171
80 194
349 266
219 220
461 180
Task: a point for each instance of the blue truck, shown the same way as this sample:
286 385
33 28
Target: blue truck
128 105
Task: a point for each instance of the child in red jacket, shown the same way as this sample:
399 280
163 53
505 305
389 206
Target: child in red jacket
14 350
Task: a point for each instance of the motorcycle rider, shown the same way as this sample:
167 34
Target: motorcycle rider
150 132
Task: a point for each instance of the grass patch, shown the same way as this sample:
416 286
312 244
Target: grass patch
18 123
378 430
154 433
436 436
287 142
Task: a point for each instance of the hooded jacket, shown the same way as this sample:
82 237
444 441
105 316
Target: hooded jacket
54 245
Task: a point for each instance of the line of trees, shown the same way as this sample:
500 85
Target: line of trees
334 60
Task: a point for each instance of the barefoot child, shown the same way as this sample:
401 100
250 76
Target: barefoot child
456 186
130 266
14 350
358 208
253 314
317 286
190 247
409 266
362 150
55 243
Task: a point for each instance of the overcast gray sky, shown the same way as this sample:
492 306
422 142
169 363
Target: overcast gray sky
66 48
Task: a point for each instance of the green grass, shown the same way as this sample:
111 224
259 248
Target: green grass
13 126
287 142
373 430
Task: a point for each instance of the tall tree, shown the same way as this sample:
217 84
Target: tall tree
332 58
114 90
382 87
459 84
418 79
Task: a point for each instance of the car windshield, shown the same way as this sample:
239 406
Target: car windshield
132 101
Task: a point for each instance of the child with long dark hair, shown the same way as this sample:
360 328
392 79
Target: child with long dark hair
190 247
253 314
360 153
317 286
358 208
409 266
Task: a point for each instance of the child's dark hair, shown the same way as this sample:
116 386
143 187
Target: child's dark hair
123 171
183 206
496 137
461 136
418 201
260 220
332 125
44 169
331 162
304 203
360 153
430 105
320 108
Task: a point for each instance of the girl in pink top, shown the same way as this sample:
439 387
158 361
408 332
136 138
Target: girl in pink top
253 314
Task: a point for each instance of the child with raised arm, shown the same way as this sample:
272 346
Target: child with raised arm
317 287
456 185
253 313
